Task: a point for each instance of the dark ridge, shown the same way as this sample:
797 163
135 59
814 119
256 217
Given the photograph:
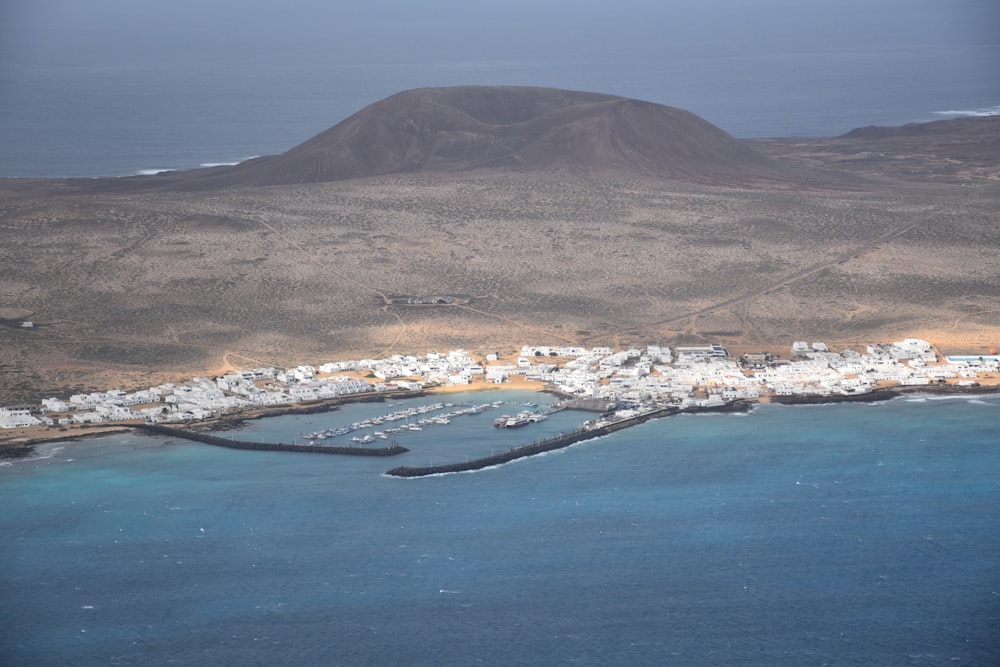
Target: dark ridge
812 399
973 140
523 128
971 127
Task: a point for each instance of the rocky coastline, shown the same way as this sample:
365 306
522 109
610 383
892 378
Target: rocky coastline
817 399
884 394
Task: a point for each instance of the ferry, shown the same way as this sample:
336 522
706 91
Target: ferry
522 419
510 422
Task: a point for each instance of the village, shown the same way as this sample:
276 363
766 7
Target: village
631 380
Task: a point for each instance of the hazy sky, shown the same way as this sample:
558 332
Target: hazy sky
184 31
116 85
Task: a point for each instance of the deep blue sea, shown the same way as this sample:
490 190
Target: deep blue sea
836 534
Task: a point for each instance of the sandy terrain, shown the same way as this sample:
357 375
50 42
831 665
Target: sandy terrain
127 290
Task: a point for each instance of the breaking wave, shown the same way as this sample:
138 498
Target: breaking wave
203 165
988 111
152 172
227 164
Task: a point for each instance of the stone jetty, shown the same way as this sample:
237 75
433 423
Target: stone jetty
207 438
558 442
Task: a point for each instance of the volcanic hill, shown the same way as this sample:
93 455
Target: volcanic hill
509 127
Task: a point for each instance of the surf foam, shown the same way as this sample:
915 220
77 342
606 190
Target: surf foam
989 111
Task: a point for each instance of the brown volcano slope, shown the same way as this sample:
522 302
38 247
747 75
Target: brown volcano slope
470 127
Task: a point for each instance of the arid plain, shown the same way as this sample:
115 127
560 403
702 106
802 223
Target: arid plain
127 287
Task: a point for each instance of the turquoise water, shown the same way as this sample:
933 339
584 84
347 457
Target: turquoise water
848 534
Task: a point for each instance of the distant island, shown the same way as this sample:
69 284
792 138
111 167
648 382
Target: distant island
484 218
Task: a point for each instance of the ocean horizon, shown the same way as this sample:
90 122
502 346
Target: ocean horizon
831 534
75 108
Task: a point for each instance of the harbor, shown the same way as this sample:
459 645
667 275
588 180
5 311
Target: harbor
413 419
197 436
598 379
435 434
589 431
374 429
417 418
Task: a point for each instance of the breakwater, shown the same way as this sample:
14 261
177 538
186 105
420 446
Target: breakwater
207 438
558 442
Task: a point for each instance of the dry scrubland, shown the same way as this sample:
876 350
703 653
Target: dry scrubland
131 289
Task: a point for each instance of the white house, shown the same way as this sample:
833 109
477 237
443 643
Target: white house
17 418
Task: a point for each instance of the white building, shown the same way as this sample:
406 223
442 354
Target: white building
17 418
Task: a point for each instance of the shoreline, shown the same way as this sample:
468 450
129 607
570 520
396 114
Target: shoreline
21 447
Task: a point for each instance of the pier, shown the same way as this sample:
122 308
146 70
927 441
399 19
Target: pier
209 439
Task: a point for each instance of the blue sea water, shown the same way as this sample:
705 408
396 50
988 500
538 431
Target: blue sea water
838 534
